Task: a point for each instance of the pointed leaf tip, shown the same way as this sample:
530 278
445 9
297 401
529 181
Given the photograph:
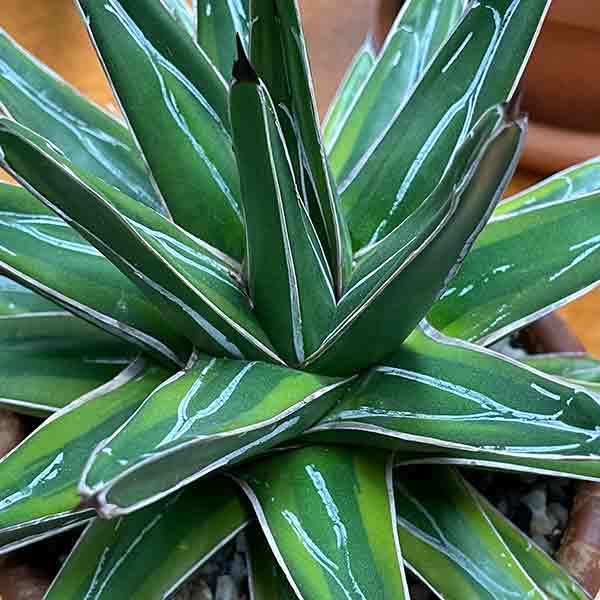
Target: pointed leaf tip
243 71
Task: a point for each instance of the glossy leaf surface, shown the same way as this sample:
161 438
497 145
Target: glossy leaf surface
41 251
218 24
176 105
192 283
182 14
94 140
216 413
458 401
417 33
478 67
500 288
288 275
583 368
266 579
412 266
40 383
449 541
350 86
149 554
548 575
38 485
579 180
328 516
280 57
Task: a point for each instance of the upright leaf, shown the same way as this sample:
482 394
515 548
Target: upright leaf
440 400
94 140
218 24
41 251
216 413
38 485
416 35
451 544
192 283
176 105
151 553
328 514
412 266
478 67
280 57
501 288
182 13
354 79
288 274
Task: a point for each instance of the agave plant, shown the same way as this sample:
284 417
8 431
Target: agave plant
234 321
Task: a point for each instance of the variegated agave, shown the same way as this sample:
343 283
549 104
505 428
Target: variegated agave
307 339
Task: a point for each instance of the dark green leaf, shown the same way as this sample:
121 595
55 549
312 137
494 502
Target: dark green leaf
176 104
149 554
215 413
182 14
418 32
461 403
94 140
411 267
280 57
218 25
289 279
501 287
353 80
42 252
450 543
192 283
38 481
478 67
328 516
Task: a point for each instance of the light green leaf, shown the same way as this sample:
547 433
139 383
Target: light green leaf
215 413
451 544
355 77
93 139
548 575
41 251
218 24
182 14
328 516
38 479
411 267
39 383
580 180
176 104
149 554
478 67
288 275
502 288
452 402
280 57
418 32
189 281
266 580
582 368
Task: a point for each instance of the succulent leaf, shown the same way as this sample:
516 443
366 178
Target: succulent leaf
38 484
91 138
280 57
328 516
458 401
422 254
217 412
148 554
478 67
583 368
416 35
182 14
501 289
177 108
288 275
41 251
218 25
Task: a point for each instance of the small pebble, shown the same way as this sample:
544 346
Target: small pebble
542 522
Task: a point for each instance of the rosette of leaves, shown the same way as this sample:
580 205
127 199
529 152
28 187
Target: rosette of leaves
234 321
